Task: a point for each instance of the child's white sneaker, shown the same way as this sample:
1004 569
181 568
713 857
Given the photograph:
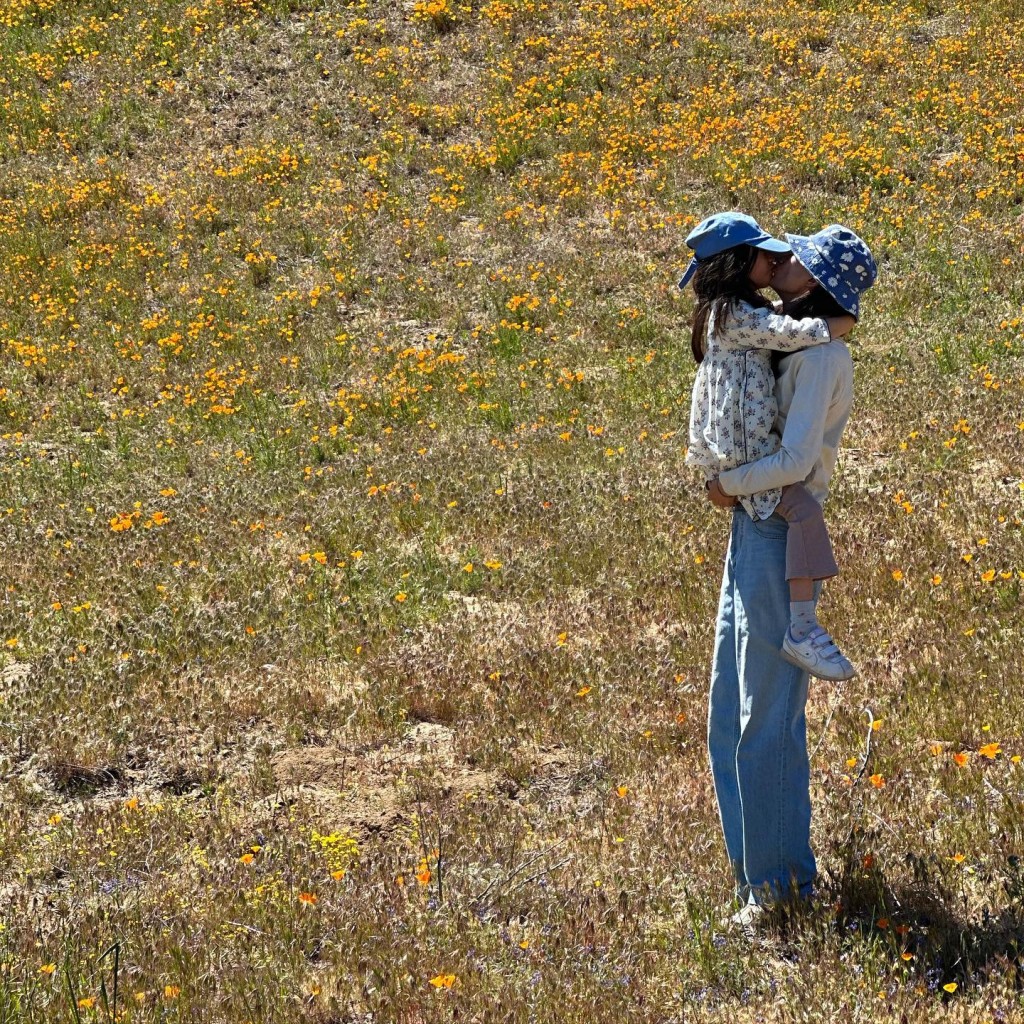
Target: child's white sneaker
818 654
749 920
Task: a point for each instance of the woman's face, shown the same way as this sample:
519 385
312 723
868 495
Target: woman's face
792 278
763 269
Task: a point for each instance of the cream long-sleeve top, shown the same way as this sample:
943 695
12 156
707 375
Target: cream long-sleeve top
814 391
734 405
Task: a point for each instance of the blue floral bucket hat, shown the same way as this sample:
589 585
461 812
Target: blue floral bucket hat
839 261
723 231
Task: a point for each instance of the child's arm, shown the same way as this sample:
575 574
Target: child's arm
752 327
838 326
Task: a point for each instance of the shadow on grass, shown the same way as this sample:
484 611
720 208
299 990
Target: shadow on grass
927 922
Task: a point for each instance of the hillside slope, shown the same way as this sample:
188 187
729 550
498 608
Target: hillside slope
358 604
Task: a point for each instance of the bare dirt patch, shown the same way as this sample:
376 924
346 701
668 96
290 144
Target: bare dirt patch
372 794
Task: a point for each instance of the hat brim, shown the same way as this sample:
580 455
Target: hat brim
815 264
770 244
688 273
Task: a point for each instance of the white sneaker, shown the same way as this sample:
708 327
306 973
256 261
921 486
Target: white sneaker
818 654
749 920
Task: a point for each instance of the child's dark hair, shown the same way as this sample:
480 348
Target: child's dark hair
718 282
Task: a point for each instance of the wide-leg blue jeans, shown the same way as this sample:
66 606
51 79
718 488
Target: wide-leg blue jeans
757 729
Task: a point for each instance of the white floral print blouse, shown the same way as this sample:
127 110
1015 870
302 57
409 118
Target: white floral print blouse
733 406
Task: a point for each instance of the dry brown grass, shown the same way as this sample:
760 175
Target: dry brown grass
358 606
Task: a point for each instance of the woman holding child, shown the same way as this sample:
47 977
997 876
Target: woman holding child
767 445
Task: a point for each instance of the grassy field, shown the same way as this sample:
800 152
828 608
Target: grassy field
357 604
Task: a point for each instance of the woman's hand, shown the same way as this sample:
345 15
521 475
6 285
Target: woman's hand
718 497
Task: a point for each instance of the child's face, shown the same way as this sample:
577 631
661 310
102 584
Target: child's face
763 269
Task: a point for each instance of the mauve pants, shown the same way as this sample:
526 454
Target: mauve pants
808 548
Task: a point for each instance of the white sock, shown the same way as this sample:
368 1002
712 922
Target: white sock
803 617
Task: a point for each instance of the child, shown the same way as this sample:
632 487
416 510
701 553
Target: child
735 330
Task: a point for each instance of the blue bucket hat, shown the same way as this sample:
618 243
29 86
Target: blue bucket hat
723 231
839 261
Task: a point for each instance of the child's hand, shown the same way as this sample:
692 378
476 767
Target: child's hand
718 497
838 326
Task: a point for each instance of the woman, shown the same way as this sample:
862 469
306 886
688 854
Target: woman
757 734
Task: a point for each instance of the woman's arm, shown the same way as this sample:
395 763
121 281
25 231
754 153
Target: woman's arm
802 438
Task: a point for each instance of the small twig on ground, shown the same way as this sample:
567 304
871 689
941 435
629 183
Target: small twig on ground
440 870
867 743
828 722
522 867
539 874
882 821
246 927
